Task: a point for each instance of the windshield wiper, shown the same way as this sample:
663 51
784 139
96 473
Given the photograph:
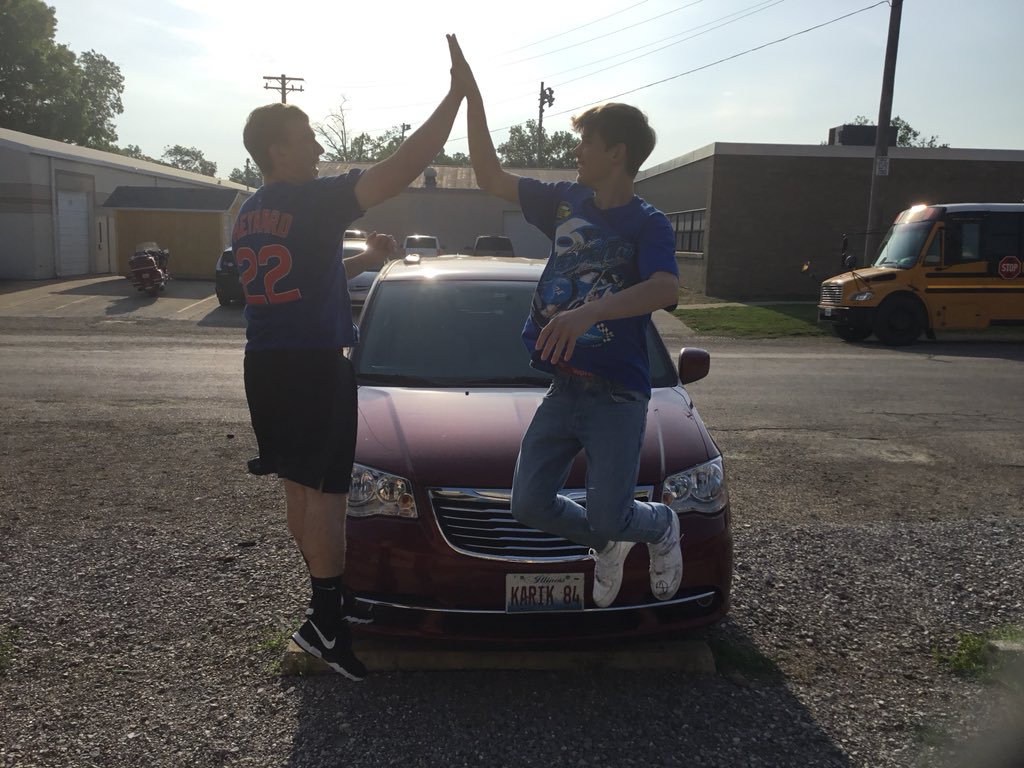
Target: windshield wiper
397 380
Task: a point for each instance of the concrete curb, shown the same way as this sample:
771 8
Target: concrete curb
384 655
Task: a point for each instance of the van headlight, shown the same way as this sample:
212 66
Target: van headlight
379 493
863 296
698 489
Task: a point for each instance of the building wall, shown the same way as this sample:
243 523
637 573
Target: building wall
685 187
195 239
771 210
34 171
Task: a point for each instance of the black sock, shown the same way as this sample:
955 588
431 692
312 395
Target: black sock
327 602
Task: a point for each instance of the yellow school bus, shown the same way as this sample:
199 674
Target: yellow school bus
940 267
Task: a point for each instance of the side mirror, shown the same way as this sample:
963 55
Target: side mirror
694 364
848 259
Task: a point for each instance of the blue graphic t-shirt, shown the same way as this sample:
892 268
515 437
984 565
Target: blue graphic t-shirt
286 240
594 252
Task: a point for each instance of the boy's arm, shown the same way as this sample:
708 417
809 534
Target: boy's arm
557 339
379 248
490 176
392 175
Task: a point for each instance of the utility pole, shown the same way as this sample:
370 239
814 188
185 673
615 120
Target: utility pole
547 96
284 88
880 170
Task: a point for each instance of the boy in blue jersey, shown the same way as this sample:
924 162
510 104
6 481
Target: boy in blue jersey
612 263
300 387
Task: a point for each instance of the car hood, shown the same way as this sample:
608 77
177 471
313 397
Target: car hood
469 438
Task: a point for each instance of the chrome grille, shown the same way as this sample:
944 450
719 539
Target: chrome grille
480 523
832 293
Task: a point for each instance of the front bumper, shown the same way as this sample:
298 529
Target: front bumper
855 317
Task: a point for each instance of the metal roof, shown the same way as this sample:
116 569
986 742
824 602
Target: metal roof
172 198
454 176
37 145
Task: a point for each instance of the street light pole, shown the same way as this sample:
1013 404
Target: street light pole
880 168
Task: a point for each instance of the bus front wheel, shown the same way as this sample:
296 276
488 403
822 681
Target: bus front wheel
899 321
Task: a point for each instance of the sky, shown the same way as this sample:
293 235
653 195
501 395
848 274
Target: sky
704 71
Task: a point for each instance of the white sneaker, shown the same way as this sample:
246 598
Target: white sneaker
608 571
667 562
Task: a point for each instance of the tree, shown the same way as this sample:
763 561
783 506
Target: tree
906 136
104 86
189 159
45 89
133 150
520 150
249 175
333 135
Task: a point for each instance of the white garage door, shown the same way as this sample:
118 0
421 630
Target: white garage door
72 233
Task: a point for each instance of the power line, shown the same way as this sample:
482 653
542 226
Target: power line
748 11
727 58
705 66
574 29
606 34
740 14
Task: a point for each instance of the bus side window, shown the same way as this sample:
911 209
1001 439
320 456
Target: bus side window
933 257
964 244
1002 238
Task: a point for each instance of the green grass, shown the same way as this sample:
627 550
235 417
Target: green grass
755 322
273 642
8 636
972 657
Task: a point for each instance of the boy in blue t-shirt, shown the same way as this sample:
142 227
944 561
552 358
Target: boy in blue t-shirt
612 263
300 387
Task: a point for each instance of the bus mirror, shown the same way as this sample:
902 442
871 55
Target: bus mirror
846 246
849 261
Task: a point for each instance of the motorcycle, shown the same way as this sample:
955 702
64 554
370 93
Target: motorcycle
148 267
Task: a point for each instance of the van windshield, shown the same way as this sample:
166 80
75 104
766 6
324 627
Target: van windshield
902 245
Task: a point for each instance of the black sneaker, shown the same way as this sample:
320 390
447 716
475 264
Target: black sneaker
353 610
336 652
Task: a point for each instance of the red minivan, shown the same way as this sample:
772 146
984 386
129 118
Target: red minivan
445 394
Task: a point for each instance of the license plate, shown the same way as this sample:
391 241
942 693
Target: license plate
543 592
826 312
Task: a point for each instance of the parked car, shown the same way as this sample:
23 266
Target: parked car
445 394
355 234
424 245
493 245
359 286
226 282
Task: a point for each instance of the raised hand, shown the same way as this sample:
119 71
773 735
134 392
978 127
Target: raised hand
462 74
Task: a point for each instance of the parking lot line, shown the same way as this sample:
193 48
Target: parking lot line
195 304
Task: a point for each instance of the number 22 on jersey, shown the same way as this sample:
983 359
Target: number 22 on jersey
250 264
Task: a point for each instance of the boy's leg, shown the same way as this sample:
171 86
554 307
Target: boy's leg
612 432
545 458
613 435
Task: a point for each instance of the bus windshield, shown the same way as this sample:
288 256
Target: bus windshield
902 245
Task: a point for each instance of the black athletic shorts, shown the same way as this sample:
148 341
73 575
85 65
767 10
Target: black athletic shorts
304 412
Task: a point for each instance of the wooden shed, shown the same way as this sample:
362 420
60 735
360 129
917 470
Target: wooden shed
194 224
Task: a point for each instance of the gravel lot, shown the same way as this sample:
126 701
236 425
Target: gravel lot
148 581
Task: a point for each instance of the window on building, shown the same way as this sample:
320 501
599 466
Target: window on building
689 229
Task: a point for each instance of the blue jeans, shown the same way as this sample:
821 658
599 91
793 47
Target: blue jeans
608 423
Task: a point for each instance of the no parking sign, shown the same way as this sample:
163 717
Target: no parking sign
1009 267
